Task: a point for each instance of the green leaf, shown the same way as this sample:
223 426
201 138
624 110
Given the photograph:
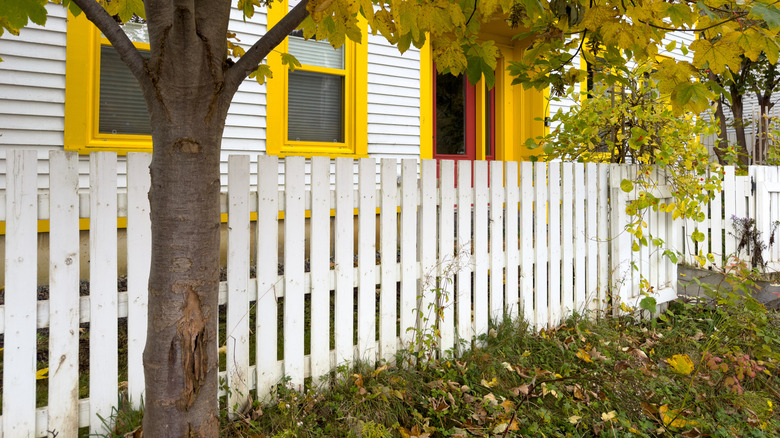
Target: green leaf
262 73
768 13
626 185
648 303
125 9
15 14
290 61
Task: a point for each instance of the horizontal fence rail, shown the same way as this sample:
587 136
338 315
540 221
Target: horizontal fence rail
408 245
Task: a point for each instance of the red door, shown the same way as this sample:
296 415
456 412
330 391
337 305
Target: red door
456 119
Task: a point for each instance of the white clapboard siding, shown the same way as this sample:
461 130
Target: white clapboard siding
103 342
20 349
64 292
237 325
139 257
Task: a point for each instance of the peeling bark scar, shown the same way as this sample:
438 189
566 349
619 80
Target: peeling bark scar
187 145
191 333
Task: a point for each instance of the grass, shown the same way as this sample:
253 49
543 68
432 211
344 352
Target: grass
697 370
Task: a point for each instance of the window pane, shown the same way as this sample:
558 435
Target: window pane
122 106
135 30
316 107
450 115
315 53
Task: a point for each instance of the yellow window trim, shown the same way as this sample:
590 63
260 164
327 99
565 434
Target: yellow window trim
82 94
355 100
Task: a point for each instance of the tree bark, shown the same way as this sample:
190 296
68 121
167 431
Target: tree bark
723 135
737 112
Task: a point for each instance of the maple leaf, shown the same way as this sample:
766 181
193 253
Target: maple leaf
290 61
125 9
672 418
694 97
716 56
16 14
262 73
681 364
584 355
598 16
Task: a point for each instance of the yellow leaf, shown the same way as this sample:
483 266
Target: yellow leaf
584 355
672 418
716 56
574 419
489 384
43 373
681 364
222 349
608 416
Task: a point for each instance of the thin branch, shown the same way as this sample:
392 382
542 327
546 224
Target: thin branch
110 28
741 15
252 58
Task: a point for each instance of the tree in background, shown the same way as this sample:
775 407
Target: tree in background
189 81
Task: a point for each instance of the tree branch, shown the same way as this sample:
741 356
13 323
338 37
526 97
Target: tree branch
254 56
124 47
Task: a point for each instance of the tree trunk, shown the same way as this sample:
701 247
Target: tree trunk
723 135
180 359
737 111
188 106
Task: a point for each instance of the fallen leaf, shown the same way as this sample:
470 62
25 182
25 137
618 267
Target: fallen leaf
522 389
681 364
582 354
595 355
574 419
379 370
508 366
42 373
500 428
608 416
673 418
693 433
358 380
489 384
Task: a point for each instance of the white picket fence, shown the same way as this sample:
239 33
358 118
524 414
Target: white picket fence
537 240
756 196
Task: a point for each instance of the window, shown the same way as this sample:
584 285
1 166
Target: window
104 107
320 108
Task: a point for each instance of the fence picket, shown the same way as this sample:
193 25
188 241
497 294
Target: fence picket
567 237
580 234
266 330
319 267
540 244
465 245
19 354
527 197
388 235
408 315
591 237
103 346
598 302
729 210
294 255
554 243
367 260
480 248
64 293
539 237
496 236
426 299
139 251
448 256
237 326
343 256
511 240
